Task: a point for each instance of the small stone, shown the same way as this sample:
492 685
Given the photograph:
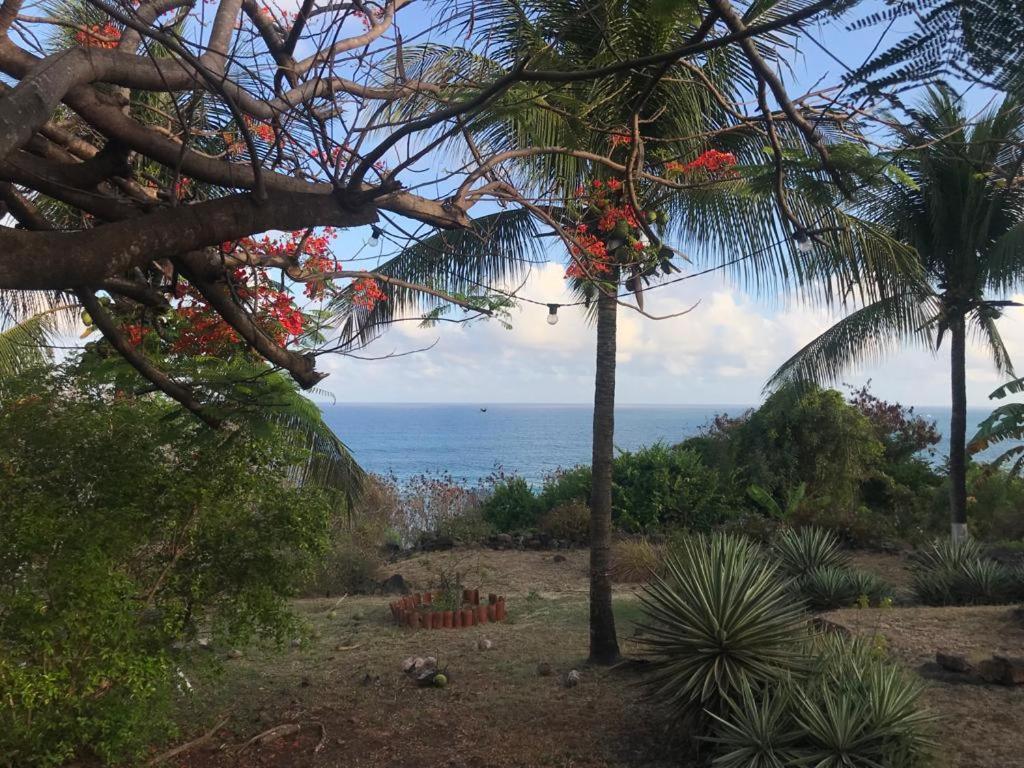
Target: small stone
572 679
992 671
296 642
430 661
409 663
204 643
544 669
952 662
558 559
234 653
483 644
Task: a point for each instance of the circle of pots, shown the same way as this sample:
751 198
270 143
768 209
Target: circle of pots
416 611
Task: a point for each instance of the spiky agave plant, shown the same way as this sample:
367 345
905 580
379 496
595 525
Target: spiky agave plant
717 617
801 551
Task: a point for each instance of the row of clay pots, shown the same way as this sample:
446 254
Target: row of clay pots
465 617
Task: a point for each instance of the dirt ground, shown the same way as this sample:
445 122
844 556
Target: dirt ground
344 688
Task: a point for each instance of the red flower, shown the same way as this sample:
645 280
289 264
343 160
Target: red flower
107 36
367 293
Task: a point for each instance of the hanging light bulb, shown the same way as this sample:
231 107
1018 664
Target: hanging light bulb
375 233
552 314
803 242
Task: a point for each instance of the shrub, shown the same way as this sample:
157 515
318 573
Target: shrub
833 587
853 708
804 550
633 560
667 486
570 521
511 505
348 567
955 573
565 486
764 530
716 618
123 526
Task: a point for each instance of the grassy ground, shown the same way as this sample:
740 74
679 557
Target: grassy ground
345 689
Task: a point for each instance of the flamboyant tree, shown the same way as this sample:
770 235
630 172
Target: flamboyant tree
145 147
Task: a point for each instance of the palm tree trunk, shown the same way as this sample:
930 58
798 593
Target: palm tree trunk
604 646
958 430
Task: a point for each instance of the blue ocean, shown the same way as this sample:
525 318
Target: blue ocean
470 441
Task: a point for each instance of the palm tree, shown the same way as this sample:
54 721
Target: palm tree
718 219
960 206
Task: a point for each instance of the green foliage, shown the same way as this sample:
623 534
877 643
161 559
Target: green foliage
569 521
564 487
955 573
718 618
802 551
661 485
836 587
852 708
511 505
123 528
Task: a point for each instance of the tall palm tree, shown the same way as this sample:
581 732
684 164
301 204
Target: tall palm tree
717 221
960 206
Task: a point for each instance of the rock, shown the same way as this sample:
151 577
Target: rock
409 663
1002 670
430 661
503 541
952 662
483 644
544 669
296 642
234 653
558 559
204 643
394 585
572 679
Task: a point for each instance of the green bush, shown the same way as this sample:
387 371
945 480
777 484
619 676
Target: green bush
565 486
667 486
511 505
570 521
717 618
801 551
955 573
348 567
836 587
758 527
124 527
852 708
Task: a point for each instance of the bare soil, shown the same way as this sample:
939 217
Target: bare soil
343 685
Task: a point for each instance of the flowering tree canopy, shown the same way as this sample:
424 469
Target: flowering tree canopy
182 170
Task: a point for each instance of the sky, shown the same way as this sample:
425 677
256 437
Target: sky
721 352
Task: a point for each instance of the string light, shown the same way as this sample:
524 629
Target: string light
375 234
803 242
553 314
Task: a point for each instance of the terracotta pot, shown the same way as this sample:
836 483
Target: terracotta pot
492 612
481 614
417 598
457 619
428 598
446 619
467 596
500 609
476 597
492 598
468 617
412 619
438 619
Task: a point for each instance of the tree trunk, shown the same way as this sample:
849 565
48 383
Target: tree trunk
958 430
604 646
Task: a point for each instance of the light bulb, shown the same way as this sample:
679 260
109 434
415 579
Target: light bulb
803 242
375 234
552 314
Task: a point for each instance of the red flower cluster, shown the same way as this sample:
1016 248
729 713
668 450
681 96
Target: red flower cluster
263 131
136 333
107 36
711 161
315 289
621 140
367 293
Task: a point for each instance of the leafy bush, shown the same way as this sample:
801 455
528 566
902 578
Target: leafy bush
764 530
511 505
717 618
570 521
801 551
349 567
853 708
565 486
633 560
123 526
667 486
